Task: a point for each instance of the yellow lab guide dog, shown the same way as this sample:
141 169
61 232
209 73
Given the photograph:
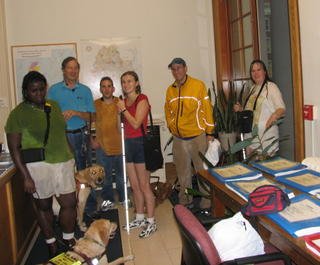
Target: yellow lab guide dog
87 179
91 248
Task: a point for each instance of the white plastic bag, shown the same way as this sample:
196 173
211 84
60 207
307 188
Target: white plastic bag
213 153
235 238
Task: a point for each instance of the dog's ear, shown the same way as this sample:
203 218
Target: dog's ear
80 176
104 231
113 227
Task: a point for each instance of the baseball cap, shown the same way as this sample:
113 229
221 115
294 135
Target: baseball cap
177 61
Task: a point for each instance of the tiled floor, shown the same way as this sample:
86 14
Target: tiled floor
161 248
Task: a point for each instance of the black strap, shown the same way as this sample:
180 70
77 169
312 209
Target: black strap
251 92
151 124
150 118
47 110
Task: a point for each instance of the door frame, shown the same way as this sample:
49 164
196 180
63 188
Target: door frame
223 64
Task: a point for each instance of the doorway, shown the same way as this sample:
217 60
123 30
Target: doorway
280 48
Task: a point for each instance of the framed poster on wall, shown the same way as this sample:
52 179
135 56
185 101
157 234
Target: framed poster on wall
44 58
109 57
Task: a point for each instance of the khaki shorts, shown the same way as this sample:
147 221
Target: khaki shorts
52 179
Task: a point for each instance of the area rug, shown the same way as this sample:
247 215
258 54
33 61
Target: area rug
39 252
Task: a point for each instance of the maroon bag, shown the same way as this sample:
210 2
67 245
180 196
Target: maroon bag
266 199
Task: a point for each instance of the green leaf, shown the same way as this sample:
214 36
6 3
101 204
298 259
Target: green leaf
267 148
193 192
205 160
255 130
240 145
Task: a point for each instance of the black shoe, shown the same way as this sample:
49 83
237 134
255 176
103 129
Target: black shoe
53 249
205 211
90 217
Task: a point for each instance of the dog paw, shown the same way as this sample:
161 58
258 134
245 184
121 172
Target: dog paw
83 227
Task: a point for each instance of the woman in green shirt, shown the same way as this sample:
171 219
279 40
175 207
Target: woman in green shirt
53 175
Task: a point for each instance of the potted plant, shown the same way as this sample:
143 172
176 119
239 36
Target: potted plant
224 116
260 152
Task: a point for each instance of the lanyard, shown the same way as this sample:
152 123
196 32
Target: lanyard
251 93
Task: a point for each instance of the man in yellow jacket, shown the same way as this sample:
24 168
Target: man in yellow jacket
189 118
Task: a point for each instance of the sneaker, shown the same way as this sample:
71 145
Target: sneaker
136 223
106 205
148 229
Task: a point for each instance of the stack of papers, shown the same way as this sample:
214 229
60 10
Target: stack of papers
301 217
305 180
236 171
278 166
244 187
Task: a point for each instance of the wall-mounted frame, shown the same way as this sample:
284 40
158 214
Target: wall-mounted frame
44 58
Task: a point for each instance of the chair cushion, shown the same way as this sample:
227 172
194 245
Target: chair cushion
191 223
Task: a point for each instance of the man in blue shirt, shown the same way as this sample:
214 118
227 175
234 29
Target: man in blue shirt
76 103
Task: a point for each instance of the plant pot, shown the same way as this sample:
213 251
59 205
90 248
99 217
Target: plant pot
227 139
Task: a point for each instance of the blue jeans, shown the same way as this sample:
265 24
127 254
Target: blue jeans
78 142
111 164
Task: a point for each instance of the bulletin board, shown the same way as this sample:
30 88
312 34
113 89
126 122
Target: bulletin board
44 58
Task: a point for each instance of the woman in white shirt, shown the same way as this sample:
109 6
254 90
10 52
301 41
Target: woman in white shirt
265 100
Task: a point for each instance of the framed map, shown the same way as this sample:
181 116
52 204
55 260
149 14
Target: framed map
44 58
109 57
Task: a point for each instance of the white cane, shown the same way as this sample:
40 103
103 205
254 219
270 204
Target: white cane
126 204
244 156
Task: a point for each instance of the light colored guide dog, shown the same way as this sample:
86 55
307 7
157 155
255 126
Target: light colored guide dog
86 180
92 246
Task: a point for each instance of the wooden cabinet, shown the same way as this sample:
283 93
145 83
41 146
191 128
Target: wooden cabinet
7 252
17 219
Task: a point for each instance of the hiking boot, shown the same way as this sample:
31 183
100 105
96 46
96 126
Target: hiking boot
135 224
148 229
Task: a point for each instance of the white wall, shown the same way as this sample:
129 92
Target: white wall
310 55
168 28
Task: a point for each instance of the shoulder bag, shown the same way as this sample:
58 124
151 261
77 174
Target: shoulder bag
152 147
245 117
264 200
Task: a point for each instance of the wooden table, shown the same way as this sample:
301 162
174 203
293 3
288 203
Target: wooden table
225 198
